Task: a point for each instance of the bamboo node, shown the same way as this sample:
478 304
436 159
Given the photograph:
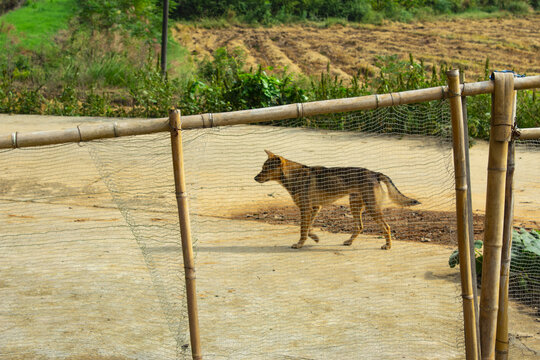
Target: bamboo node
461 188
210 123
497 169
173 129
452 94
376 101
181 194
495 246
467 296
398 101
299 110
489 308
14 140
191 276
115 130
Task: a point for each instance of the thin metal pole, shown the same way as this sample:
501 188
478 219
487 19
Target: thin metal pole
185 230
471 340
501 345
470 218
164 36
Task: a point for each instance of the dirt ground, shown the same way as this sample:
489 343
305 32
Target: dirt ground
258 298
510 43
432 225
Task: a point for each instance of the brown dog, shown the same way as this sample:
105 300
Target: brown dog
312 187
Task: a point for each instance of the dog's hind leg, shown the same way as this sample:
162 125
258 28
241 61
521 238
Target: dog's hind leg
357 208
314 211
377 215
373 200
305 223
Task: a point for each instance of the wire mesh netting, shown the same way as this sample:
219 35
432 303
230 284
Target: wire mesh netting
90 260
327 300
524 275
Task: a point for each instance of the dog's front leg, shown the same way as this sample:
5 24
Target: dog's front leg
305 222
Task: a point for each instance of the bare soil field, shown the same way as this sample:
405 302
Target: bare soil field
509 43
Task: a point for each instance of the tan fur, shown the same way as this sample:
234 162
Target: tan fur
312 187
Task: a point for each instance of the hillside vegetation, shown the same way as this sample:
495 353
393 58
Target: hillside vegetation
371 11
100 58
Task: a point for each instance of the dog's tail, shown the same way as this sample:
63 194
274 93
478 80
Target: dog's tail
394 193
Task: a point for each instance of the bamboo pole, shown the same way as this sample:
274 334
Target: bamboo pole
460 170
500 135
148 126
185 230
501 344
528 134
470 222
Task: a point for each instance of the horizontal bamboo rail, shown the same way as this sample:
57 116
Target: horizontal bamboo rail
527 134
148 126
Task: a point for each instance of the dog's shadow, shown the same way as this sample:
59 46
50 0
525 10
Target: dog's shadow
273 249
249 249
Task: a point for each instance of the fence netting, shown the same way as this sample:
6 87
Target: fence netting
91 262
263 299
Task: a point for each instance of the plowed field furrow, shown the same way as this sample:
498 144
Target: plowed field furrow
507 43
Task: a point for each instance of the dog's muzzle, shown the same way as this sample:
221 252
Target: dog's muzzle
259 178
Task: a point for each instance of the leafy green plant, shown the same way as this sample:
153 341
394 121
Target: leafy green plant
524 279
525 266
454 258
152 93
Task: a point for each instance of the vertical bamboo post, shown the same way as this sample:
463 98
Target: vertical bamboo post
185 231
470 218
500 134
471 341
501 345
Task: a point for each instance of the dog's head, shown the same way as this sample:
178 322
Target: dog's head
271 169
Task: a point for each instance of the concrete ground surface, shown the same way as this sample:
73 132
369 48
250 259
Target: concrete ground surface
80 279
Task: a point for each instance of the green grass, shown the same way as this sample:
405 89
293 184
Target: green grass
35 24
179 60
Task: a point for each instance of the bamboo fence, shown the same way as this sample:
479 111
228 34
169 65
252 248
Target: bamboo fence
502 90
472 249
185 231
148 126
527 134
462 200
501 344
500 135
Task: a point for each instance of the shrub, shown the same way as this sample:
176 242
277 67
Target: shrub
518 7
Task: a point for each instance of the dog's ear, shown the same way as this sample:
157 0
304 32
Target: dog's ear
286 166
269 153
